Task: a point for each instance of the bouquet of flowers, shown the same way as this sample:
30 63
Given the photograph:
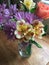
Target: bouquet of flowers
22 24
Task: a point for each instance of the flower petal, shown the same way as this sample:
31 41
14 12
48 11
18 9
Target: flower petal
17 35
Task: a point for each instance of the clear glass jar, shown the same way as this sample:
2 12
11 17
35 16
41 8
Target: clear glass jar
24 49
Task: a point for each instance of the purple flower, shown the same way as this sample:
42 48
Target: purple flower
2 7
28 17
6 13
9 28
38 18
13 9
2 19
20 15
1 22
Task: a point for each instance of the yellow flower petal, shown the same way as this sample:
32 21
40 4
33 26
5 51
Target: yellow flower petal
28 3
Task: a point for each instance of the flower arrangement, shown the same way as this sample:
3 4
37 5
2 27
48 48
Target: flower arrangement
24 23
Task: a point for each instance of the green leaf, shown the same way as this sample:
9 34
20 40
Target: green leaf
24 8
34 42
13 19
44 34
45 28
33 9
38 45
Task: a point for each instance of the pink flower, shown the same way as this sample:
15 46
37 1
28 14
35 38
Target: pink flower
42 10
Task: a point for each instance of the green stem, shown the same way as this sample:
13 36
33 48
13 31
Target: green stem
34 42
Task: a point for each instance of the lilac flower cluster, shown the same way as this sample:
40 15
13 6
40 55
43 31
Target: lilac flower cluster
9 28
9 16
8 12
28 17
6 16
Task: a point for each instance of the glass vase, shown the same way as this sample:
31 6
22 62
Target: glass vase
24 49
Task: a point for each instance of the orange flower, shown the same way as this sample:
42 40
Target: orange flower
42 10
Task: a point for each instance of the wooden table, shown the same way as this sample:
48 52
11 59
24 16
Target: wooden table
9 54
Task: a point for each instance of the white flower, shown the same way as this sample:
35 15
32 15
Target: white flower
33 5
28 3
38 29
22 28
43 32
18 34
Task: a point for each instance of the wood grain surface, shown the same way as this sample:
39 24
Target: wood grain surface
9 52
